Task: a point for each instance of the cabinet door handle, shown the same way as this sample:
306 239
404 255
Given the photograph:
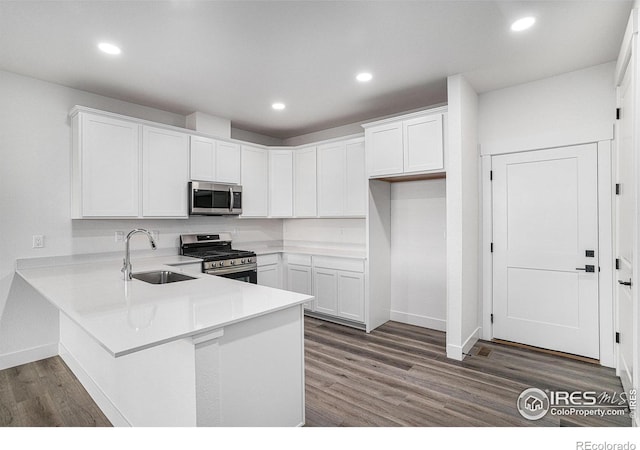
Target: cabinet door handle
587 268
625 283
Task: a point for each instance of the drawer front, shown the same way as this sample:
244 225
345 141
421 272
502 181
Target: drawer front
301 260
263 260
328 262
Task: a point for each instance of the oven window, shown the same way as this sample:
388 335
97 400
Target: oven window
248 276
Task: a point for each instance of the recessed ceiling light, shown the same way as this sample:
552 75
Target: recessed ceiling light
278 106
523 24
364 77
109 48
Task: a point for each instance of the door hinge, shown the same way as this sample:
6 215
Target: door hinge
491 318
617 337
492 247
491 175
617 113
617 263
617 188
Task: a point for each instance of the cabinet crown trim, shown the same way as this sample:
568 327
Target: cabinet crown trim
422 113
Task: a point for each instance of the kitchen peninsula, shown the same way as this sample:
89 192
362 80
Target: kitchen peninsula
207 351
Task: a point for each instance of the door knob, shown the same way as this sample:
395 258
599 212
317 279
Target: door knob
625 283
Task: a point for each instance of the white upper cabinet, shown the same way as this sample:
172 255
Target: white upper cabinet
356 179
255 185
122 168
423 150
332 174
202 159
410 144
106 167
341 179
227 162
213 160
304 182
280 183
165 173
384 144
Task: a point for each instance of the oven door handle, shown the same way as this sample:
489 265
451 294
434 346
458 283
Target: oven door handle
230 199
245 268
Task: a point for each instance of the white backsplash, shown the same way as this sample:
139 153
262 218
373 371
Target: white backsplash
347 234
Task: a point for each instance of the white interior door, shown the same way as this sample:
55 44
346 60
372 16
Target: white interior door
625 207
545 228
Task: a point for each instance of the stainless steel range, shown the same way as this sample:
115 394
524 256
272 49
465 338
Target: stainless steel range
218 257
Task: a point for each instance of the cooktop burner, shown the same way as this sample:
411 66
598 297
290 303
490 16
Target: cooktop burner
217 255
211 247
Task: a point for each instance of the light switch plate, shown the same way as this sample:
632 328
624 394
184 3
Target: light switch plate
119 236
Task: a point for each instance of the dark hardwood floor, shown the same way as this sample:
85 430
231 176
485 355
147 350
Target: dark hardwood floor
398 375
46 394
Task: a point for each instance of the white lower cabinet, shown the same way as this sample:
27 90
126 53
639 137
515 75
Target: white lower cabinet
298 276
269 273
351 296
339 290
326 290
299 279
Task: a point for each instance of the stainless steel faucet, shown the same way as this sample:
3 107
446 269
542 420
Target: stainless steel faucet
126 268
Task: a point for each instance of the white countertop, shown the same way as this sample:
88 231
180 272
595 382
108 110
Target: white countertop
125 317
317 251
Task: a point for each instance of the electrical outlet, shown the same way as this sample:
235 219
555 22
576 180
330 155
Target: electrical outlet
38 241
119 237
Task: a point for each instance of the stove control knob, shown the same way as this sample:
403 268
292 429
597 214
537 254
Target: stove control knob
232 262
221 264
242 261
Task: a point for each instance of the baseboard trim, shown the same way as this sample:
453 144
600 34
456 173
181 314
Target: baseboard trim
28 356
104 403
471 340
418 320
338 320
458 352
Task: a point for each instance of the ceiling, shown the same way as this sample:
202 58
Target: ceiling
235 58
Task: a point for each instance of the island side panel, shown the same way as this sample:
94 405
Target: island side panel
152 387
261 371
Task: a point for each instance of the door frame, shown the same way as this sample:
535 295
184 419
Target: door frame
628 59
605 250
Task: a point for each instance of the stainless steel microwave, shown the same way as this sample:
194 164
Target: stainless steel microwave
214 199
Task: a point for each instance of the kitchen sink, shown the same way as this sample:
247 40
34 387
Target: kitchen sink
161 277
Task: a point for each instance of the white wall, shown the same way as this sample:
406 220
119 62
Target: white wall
35 144
418 253
256 138
462 218
344 130
567 109
336 132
